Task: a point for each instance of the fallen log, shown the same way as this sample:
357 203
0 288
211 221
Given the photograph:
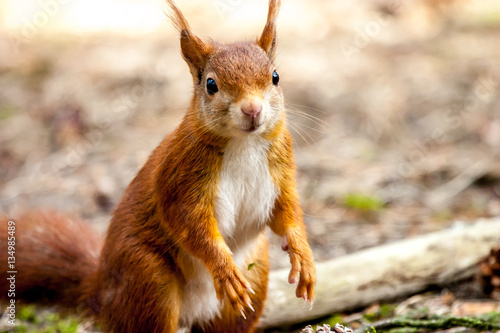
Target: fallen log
384 272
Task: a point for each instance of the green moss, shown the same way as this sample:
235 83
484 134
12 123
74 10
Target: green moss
52 317
67 325
28 313
492 18
443 215
363 202
21 328
493 317
34 319
406 330
385 311
435 323
335 319
6 112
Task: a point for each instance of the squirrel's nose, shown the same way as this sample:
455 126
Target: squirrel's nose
251 108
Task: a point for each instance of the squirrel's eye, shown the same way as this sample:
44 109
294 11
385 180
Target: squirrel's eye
276 78
211 86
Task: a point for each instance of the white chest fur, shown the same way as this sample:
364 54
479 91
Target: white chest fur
244 204
246 192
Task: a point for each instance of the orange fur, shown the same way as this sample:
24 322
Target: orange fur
287 221
54 255
167 216
268 39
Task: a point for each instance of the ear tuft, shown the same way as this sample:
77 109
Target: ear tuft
176 17
268 39
194 50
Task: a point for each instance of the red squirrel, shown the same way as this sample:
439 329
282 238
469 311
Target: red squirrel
186 246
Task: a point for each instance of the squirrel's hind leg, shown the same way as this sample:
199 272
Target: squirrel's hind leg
144 298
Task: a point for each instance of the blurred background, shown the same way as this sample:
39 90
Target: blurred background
394 107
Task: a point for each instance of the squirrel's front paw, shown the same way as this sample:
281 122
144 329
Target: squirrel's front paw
303 268
229 281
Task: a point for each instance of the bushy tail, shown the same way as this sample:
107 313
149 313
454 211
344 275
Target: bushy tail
51 255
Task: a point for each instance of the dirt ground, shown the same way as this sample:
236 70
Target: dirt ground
394 108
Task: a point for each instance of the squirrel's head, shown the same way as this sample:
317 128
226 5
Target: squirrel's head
237 88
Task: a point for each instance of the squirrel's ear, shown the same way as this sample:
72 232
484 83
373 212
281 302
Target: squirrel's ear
194 50
268 39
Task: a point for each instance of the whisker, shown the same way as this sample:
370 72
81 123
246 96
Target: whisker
309 127
310 108
323 126
298 132
321 123
318 121
274 116
290 122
